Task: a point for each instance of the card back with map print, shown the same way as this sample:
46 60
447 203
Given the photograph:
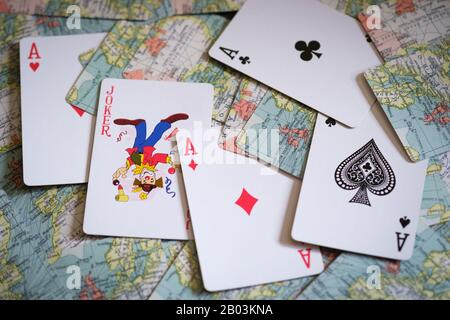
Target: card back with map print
413 85
135 187
414 92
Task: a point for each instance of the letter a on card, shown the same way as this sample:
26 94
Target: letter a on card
34 53
306 256
190 150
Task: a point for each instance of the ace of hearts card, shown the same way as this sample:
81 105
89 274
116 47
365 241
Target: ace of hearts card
56 137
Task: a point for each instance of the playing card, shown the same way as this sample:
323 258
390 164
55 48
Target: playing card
414 92
247 99
56 137
436 193
242 232
109 61
279 132
360 193
171 49
405 26
175 49
135 187
315 55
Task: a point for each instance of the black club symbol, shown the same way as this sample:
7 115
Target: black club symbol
307 50
244 60
367 167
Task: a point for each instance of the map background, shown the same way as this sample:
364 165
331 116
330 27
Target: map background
40 228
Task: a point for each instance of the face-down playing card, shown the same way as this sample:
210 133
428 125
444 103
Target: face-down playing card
360 193
241 213
305 50
417 105
56 137
135 187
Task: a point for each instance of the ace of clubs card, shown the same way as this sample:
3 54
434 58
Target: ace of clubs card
304 49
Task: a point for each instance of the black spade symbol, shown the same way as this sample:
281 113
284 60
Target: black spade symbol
404 221
366 169
330 122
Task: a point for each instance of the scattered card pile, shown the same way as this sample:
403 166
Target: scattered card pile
296 135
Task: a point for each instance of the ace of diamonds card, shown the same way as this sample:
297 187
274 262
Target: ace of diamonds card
241 213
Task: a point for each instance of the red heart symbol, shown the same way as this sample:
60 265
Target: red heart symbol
34 66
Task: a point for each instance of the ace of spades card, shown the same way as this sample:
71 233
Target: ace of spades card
135 186
360 192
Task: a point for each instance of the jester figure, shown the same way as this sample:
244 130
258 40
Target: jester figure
142 155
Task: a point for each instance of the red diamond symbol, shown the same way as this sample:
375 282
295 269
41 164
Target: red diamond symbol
78 110
193 164
246 201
